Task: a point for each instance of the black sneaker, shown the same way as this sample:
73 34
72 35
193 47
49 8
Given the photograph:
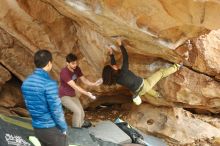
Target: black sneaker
86 124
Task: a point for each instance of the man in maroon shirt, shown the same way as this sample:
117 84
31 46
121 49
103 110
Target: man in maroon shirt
68 88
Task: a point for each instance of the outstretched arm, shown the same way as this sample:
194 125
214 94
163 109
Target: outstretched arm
124 54
87 82
113 62
79 89
112 57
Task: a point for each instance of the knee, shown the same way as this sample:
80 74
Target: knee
77 112
83 114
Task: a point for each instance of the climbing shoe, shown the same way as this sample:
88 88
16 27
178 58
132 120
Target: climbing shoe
86 124
179 66
137 100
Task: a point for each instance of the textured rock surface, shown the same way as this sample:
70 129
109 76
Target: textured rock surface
172 124
202 53
158 33
11 100
4 75
192 90
11 96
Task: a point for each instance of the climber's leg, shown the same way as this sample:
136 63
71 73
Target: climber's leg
153 93
157 76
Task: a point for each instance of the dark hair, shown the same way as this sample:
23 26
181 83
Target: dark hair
109 75
71 57
42 58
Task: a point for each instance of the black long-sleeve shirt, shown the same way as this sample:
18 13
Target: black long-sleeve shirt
126 77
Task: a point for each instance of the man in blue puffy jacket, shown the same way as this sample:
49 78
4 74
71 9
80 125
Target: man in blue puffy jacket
41 98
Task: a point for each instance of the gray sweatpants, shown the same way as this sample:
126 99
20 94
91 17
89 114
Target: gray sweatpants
74 105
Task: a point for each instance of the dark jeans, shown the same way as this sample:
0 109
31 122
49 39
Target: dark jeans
51 137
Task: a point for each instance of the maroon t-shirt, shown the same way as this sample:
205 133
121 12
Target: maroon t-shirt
65 76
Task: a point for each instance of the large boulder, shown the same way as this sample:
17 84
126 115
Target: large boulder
174 124
157 33
4 75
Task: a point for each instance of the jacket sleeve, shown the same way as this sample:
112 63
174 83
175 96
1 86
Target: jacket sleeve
112 57
55 106
125 58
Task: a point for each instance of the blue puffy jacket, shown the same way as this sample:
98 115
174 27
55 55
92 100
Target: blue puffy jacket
41 98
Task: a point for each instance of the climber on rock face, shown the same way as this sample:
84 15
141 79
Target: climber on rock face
112 74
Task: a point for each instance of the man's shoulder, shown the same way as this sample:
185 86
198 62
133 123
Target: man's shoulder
33 80
51 82
64 70
29 78
77 70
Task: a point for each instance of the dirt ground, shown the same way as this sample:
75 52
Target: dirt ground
111 112
101 113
